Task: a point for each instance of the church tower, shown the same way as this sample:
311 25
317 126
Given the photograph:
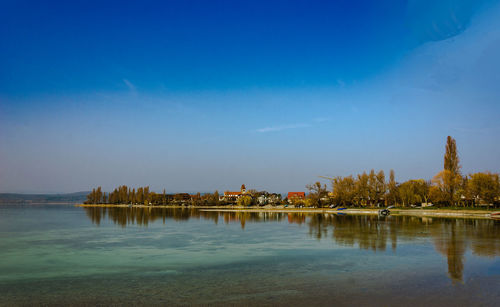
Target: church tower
243 189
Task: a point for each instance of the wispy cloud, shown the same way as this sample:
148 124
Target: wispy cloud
322 119
281 128
130 85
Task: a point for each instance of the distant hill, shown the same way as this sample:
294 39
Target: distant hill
76 197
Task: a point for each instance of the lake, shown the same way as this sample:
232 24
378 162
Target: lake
61 254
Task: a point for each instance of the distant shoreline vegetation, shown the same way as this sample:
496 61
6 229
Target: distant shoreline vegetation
448 188
19 198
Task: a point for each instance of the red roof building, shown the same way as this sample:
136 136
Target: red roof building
233 196
296 195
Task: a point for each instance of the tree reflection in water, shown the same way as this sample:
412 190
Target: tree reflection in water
451 237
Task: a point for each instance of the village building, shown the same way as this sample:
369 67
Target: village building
230 196
268 198
296 196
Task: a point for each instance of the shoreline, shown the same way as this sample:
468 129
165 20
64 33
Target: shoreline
457 213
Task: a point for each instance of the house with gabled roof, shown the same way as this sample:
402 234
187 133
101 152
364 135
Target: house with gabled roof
233 196
296 196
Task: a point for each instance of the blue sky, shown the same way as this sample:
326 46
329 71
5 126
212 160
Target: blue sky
205 95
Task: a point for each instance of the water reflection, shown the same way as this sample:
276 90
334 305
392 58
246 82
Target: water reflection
451 237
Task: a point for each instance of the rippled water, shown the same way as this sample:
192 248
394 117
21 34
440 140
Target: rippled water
87 256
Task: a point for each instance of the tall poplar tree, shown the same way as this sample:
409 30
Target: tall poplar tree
451 173
451 160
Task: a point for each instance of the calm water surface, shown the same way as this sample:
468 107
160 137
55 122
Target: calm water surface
87 256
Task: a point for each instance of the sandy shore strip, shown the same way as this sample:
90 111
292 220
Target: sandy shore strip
402 212
428 213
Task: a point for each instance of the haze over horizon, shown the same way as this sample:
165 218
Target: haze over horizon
204 96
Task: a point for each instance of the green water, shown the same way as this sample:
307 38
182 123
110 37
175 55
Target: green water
60 255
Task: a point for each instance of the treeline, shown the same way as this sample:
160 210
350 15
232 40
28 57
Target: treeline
125 195
369 190
143 196
447 188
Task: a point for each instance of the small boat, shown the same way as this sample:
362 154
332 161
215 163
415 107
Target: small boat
341 209
385 212
495 215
